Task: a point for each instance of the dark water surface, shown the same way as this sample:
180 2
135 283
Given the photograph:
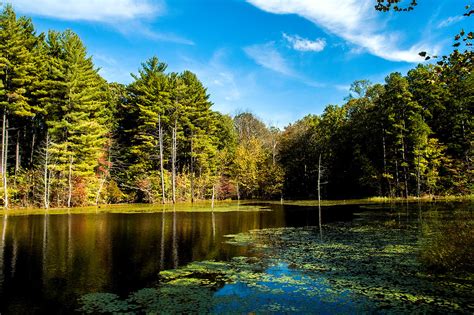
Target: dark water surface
47 262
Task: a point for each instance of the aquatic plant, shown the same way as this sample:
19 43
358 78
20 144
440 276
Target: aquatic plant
371 265
449 247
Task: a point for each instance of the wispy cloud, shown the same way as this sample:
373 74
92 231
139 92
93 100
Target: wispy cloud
449 21
129 17
355 21
268 57
303 44
90 10
342 87
145 30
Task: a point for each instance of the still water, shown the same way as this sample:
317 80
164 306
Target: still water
48 261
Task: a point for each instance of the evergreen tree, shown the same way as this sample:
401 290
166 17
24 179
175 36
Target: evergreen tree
74 100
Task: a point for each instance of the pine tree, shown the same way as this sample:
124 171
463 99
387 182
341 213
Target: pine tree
74 100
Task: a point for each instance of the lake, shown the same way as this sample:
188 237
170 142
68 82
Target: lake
56 263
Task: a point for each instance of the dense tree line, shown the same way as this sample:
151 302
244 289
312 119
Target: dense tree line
411 136
70 138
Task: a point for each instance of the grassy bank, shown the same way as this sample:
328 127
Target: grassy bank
224 205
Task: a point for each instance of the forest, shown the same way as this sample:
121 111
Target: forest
70 138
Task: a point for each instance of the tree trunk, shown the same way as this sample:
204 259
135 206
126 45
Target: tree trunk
319 197
238 191
5 159
389 183
173 160
2 166
17 154
274 145
418 175
103 180
46 177
69 197
160 136
319 180
405 167
32 147
101 185
213 196
396 176
192 168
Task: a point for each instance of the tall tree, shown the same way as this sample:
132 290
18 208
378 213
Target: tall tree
75 116
17 73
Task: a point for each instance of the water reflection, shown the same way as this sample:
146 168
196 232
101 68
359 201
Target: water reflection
2 250
175 242
291 289
46 262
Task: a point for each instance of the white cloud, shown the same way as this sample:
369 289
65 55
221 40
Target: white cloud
449 21
303 44
128 17
355 21
90 10
267 56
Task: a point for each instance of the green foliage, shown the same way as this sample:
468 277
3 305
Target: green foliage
256 171
411 136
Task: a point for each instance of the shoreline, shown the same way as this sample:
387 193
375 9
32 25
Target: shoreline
222 205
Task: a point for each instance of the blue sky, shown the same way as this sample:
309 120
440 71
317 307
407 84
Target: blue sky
280 59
